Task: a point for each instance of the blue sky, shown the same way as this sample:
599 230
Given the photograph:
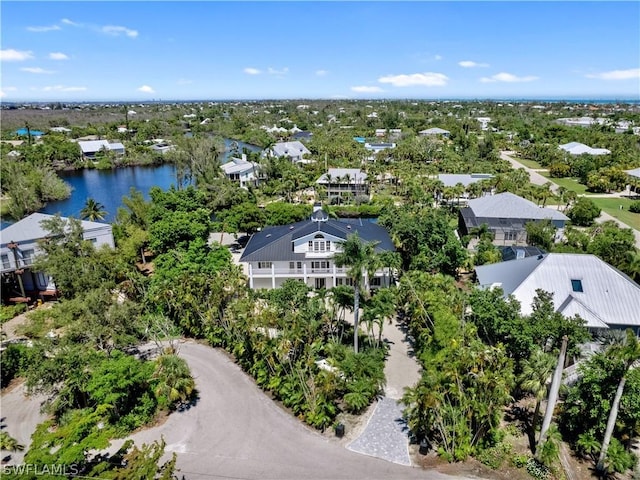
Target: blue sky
104 51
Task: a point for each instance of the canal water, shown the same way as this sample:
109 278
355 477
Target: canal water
109 186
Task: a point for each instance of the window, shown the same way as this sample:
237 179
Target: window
295 266
576 285
5 261
265 264
510 235
27 257
320 265
376 281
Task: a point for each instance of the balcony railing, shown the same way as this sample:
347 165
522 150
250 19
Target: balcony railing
296 272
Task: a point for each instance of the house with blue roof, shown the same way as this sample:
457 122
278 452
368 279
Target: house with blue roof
304 251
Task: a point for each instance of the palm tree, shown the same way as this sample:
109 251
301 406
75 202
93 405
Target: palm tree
174 380
360 257
7 442
535 379
629 353
93 211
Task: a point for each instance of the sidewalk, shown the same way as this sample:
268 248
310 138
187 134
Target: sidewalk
386 434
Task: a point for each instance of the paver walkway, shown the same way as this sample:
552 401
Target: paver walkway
386 435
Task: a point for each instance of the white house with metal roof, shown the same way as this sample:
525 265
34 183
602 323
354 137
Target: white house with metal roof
304 251
341 182
506 215
431 132
19 247
90 148
242 171
577 148
581 284
295 151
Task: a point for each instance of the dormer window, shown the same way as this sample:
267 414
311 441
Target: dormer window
319 244
576 285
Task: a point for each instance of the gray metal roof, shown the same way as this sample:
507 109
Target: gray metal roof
434 131
29 228
290 149
238 165
509 205
274 243
634 173
92 146
466 179
608 295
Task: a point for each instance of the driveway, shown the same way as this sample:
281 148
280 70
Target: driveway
236 431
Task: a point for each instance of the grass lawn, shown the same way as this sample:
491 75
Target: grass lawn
612 207
528 163
568 183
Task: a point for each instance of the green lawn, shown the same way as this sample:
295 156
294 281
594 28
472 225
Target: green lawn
612 207
528 163
568 183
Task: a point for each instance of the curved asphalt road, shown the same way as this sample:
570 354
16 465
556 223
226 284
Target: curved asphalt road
236 432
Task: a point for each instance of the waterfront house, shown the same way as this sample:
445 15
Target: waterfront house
344 182
91 147
242 171
581 284
295 151
304 251
19 247
506 215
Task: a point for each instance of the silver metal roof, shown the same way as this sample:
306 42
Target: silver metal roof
509 205
608 295
337 175
29 228
466 179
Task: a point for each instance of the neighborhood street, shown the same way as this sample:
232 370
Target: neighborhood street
538 179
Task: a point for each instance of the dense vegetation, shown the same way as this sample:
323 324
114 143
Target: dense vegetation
478 353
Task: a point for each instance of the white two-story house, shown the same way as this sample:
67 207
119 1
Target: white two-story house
19 247
305 250
242 171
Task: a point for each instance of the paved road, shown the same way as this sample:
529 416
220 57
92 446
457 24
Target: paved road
538 179
236 431
535 176
20 416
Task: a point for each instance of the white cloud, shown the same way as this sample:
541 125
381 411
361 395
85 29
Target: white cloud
617 74
273 71
366 89
146 89
507 78
472 64
58 56
321 73
63 88
117 31
66 21
11 55
49 28
438 57
427 79
252 71
37 70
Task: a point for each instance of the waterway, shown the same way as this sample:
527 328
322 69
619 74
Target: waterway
107 187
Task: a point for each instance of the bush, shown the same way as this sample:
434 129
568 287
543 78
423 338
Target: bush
537 470
635 207
7 312
520 460
583 212
495 456
13 360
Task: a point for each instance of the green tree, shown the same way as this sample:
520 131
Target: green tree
173 380
540 234
628 352
360 259
583 212
93 211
